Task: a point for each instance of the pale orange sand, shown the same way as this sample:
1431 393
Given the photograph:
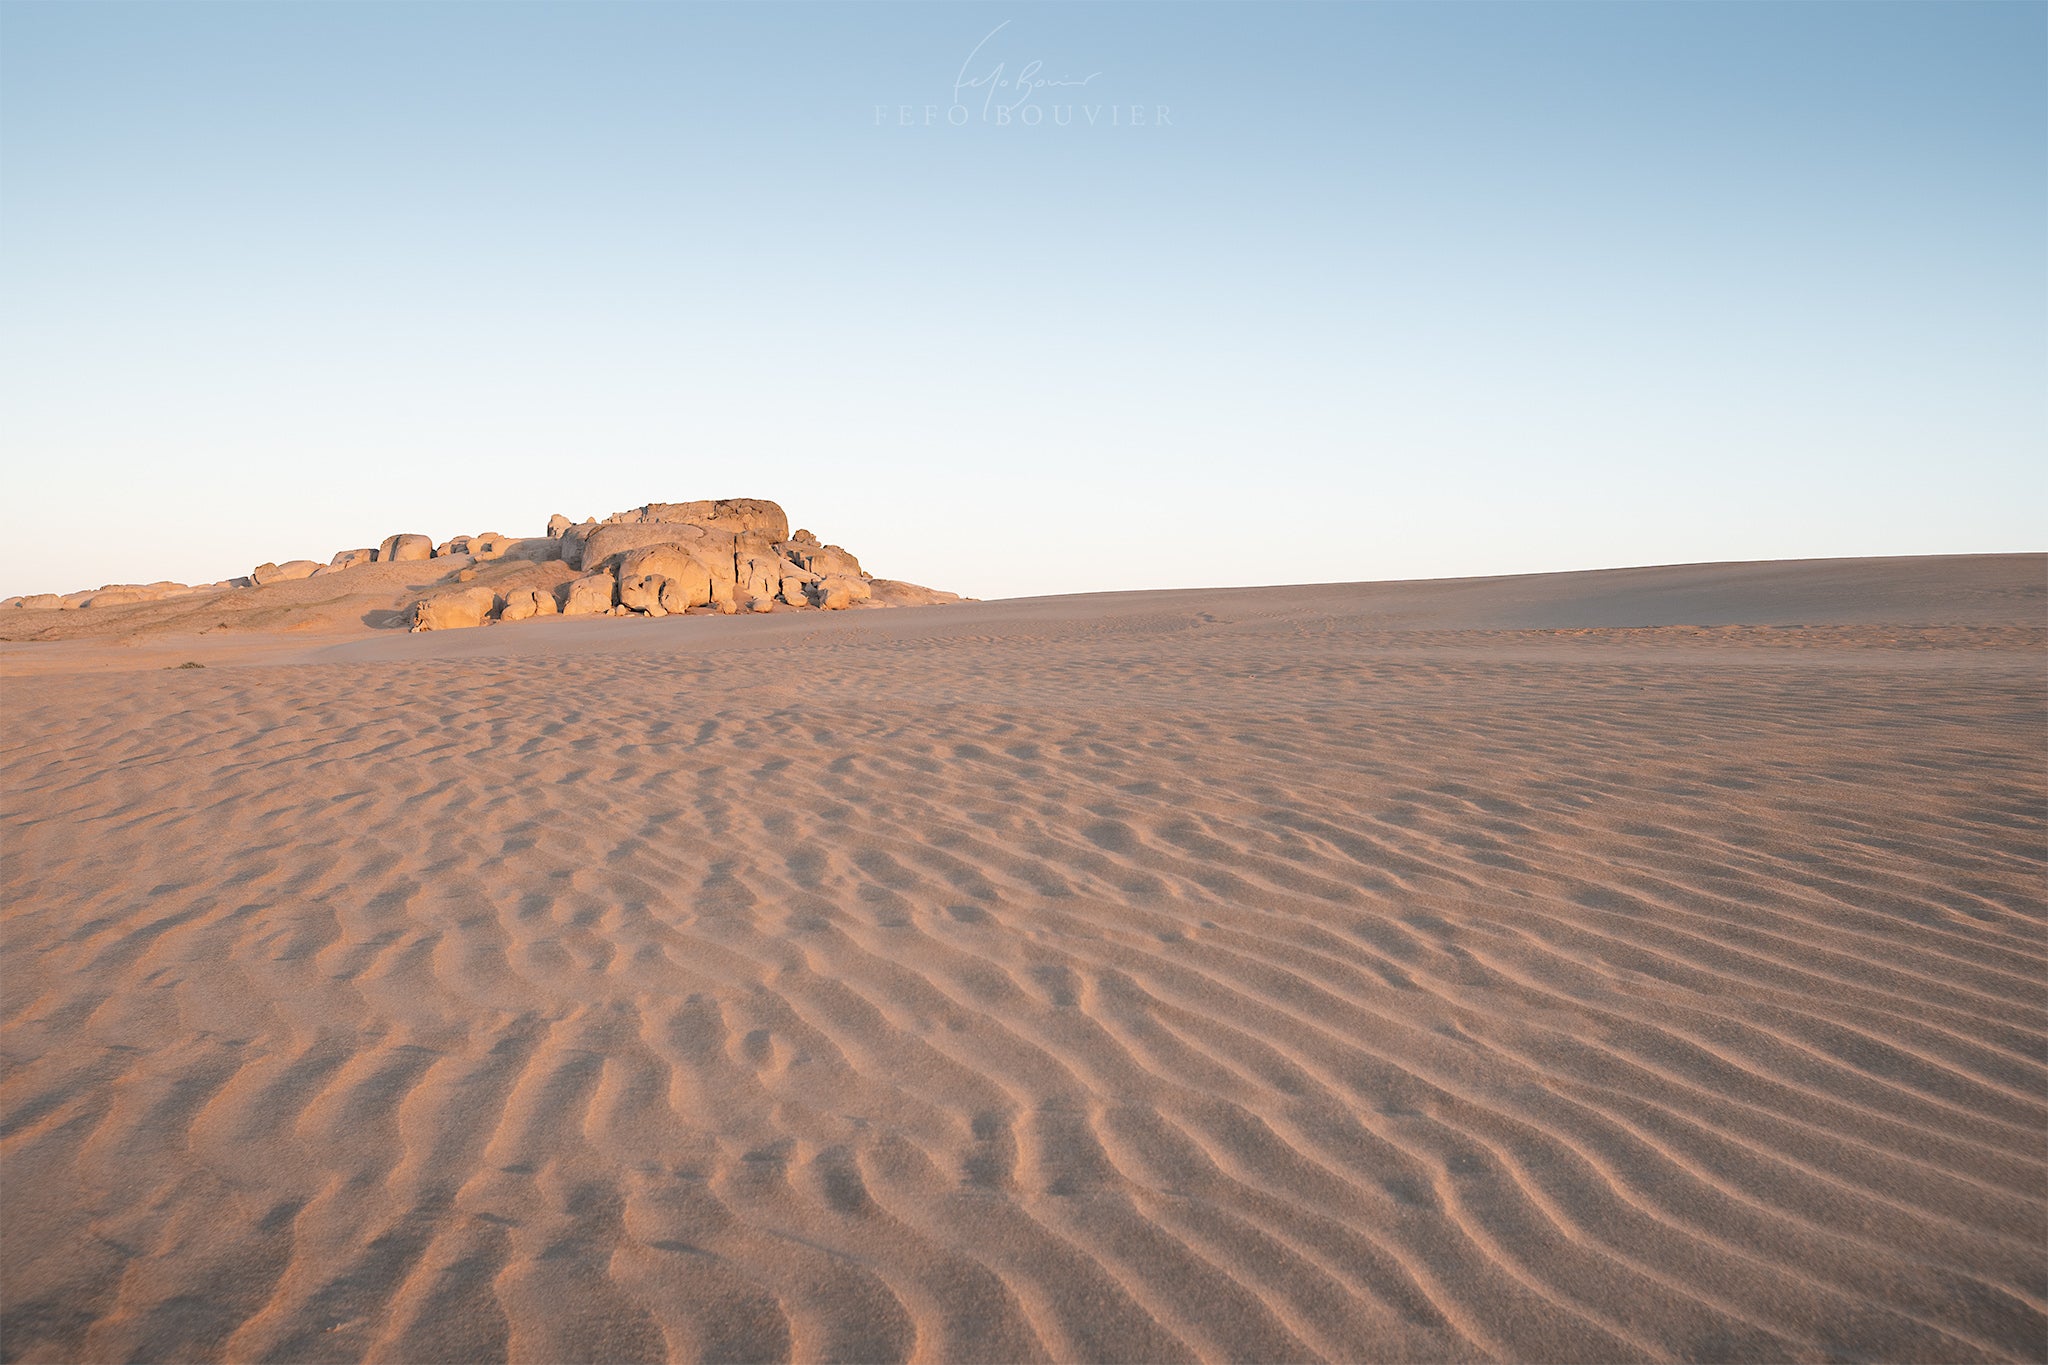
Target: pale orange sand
1639 965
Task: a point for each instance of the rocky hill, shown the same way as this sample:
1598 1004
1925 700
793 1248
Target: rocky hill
727 555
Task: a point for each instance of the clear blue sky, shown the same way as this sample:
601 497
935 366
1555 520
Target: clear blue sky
1396 291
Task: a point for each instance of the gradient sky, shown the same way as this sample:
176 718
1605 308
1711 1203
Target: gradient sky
1398 291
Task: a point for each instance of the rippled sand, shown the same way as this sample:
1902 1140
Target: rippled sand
1644 965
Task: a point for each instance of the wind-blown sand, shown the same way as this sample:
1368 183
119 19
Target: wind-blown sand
1644 964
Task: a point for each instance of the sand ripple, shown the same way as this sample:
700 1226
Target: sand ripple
1209 980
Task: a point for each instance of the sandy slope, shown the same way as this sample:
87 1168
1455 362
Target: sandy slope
1610 966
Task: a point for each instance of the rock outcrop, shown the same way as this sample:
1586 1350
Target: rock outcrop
737 515
837 592
523 604
688 575
289 571
597 546
823 560
591 595
724 555
104 596
120 597
463 608
796 584
642 592
533 550
758 570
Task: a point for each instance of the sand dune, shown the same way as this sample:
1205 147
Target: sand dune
1640 965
